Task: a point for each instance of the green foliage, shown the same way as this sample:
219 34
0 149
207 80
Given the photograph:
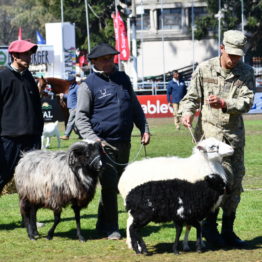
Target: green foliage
231 10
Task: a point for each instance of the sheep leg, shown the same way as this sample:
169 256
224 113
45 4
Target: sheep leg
57 218
128 224
137 241
185 241
178 234
197 225
78 227
25 210
33 211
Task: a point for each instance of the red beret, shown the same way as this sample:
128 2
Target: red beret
21 46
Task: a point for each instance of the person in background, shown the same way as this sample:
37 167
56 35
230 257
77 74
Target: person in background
71 99
21 119
223 87
176 90
107 109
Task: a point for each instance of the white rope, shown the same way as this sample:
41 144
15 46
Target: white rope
191 132
121 164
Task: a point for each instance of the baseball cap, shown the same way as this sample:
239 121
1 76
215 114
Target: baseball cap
21 46
234 42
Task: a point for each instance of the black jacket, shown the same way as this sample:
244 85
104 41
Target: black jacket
20 104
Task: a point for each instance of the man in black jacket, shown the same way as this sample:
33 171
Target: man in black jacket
107 109
21 119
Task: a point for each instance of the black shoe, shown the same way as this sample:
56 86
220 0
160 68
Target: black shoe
228 234
212 236
233 240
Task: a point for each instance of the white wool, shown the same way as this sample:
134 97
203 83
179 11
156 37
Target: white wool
192 169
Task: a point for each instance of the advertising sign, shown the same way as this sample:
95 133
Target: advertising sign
155 106
51 110
257 105
62 37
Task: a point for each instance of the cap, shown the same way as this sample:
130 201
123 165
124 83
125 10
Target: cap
102 50
234 42
70 78
22 46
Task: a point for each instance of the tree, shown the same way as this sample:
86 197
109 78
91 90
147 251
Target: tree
231 10
32 15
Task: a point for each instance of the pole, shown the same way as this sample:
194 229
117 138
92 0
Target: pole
87 26
134 46
142 37
117 40
242 16
219 26
163 44
62 28
193 34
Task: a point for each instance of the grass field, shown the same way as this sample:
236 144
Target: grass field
15 246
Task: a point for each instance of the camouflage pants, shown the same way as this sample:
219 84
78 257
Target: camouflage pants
235 171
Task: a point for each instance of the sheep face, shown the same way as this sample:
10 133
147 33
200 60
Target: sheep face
84 154
214 149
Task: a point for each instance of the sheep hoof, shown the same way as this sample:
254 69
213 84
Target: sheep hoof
49 237
82 239
186 249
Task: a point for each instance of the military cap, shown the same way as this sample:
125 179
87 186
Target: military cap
234 42
21 46
102 50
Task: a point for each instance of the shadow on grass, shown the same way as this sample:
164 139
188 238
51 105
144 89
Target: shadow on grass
161 248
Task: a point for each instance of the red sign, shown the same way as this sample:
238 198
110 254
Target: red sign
155 106
121 38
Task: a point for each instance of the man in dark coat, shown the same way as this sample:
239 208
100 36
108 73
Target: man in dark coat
107 109
21 119
176 90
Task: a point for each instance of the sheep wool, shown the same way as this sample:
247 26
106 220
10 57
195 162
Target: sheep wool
55 179
183 190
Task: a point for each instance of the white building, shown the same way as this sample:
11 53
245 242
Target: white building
164 36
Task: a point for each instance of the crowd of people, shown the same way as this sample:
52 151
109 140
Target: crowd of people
104 108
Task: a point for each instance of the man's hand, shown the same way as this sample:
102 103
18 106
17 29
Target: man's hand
216 102
187 120
145 139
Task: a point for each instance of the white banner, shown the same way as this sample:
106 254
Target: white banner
257 106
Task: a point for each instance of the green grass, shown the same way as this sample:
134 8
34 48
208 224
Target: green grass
166 140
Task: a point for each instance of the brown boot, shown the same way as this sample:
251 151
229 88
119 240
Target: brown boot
64 137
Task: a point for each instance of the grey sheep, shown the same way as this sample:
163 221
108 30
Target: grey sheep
55 179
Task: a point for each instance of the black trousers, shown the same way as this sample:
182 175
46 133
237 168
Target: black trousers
11 149
108 208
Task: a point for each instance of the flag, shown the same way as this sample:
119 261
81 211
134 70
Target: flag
39 39
121 38
19 33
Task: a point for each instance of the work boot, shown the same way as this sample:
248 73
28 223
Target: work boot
64 137
210 231
228 234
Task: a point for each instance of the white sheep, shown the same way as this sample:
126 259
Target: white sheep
54 179
183 190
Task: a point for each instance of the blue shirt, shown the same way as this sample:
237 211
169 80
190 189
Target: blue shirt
72 96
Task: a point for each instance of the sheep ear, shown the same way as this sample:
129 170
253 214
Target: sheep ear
201 149
74 152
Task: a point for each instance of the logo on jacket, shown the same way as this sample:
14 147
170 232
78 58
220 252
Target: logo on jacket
103 93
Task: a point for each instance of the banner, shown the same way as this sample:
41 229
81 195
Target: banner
257 105
121 38
155 106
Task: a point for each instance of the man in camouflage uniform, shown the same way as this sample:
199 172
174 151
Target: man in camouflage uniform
223 88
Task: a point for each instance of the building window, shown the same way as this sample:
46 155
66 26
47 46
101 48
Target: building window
172 18
143 21
198 13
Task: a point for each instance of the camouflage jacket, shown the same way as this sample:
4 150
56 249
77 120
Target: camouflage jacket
237 89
